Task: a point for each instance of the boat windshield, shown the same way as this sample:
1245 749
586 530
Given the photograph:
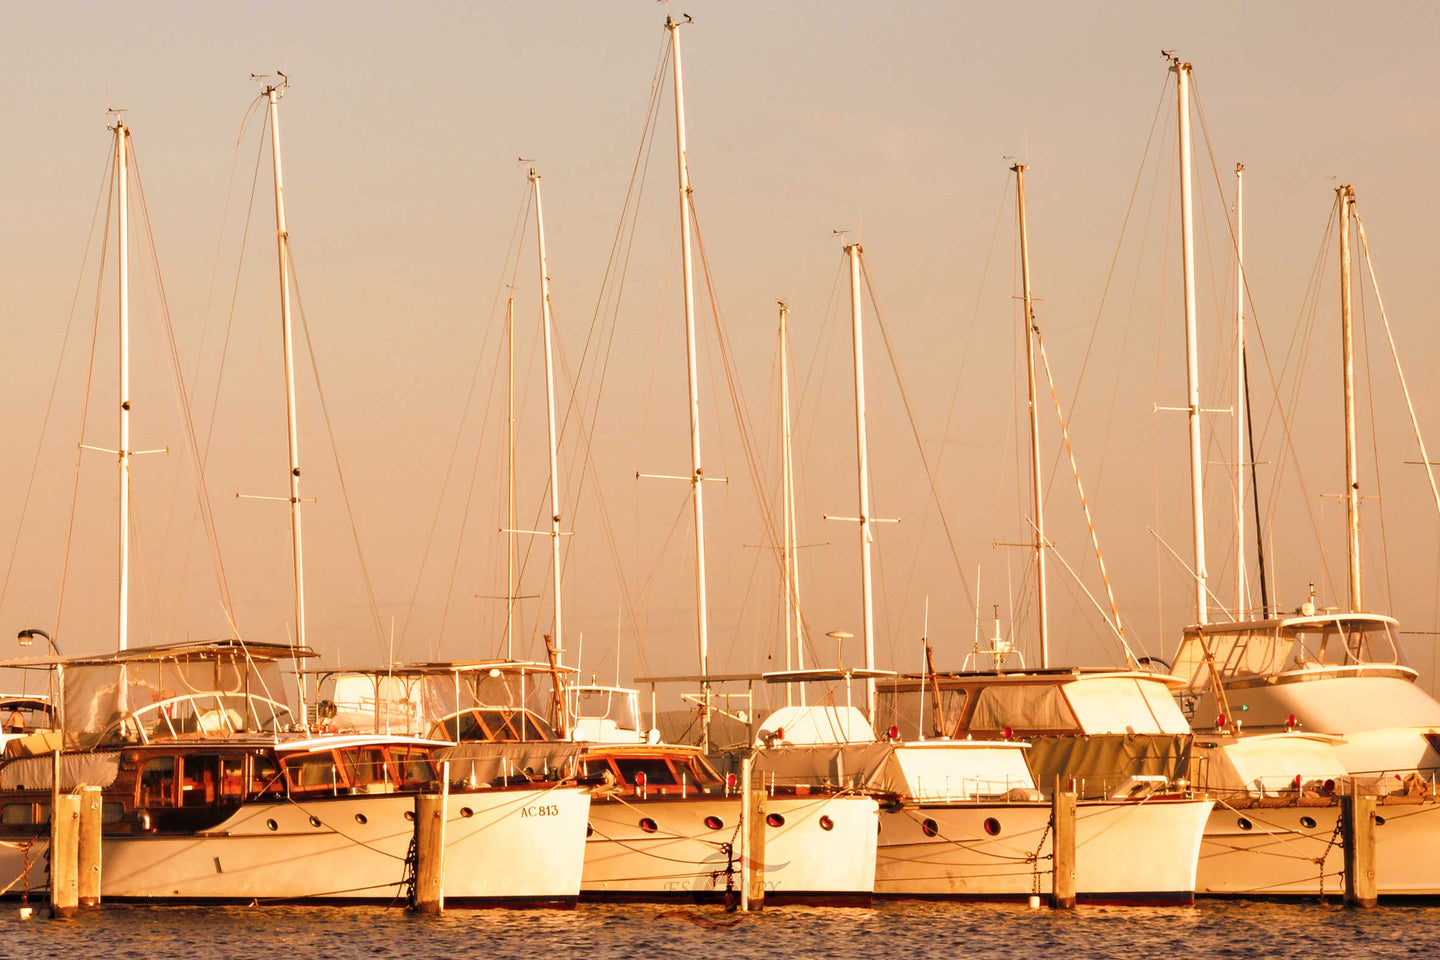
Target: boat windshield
492 725
1267 649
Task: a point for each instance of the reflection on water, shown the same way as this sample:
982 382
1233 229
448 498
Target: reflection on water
914 931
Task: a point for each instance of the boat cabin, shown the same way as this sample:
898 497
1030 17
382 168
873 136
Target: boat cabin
1112 732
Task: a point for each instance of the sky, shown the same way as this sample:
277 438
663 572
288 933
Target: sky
401 129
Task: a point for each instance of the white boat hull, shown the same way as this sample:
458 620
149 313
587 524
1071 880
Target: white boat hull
683 857
507 847
1277 855
1125 851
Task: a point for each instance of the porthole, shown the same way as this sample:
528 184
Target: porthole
930 828
410 815
714 823
1308 823
827 824
272 824
314 821
775 819
361 819
1379 820
648 825
1244 824
992 826
466 812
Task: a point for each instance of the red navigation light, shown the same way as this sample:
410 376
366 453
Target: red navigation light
1007 733
1290 722
1296 782
1220 722
639 778
894 732
779 733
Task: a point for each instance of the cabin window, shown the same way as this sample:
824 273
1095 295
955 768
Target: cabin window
24 814
157 782
111 811
366 765
657 771
265 775
199 781
414 764
314 771
232 778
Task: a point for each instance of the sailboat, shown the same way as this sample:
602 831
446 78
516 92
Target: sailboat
215 790
967 817
1291 712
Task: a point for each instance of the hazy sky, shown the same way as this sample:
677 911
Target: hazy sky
401 131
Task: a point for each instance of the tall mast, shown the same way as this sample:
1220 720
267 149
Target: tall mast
1192 355
122 144
697 474
1352 470
794 629
282 242
510 487
1037 492
862 454
550 411
1240 413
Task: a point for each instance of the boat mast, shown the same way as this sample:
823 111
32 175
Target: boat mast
1240 411
853 251
1352 471
550 411
697 474
282 241
510 489
1038 502
1192 358
794 628
122 145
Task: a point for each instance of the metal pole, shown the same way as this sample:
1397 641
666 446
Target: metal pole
1038 502
510 493
282 242
550 411
786 494
122 135
697 474
1240 585
853 251
1352 469
1192 354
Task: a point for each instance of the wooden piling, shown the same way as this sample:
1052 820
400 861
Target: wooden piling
429 854
1062 814
754 872
64 854
1357 826
88 864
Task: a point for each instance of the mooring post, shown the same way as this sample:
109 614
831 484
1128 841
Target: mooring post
754 872
429 854
88 865
1357 826
64 853
1062 815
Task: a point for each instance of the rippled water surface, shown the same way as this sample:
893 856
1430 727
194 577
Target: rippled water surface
910 930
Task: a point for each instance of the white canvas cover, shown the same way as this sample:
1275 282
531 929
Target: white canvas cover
941 770
816 724
1120 705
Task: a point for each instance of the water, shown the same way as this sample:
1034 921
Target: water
915 931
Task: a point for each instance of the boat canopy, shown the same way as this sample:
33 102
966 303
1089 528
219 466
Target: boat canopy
1268 648
210 688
